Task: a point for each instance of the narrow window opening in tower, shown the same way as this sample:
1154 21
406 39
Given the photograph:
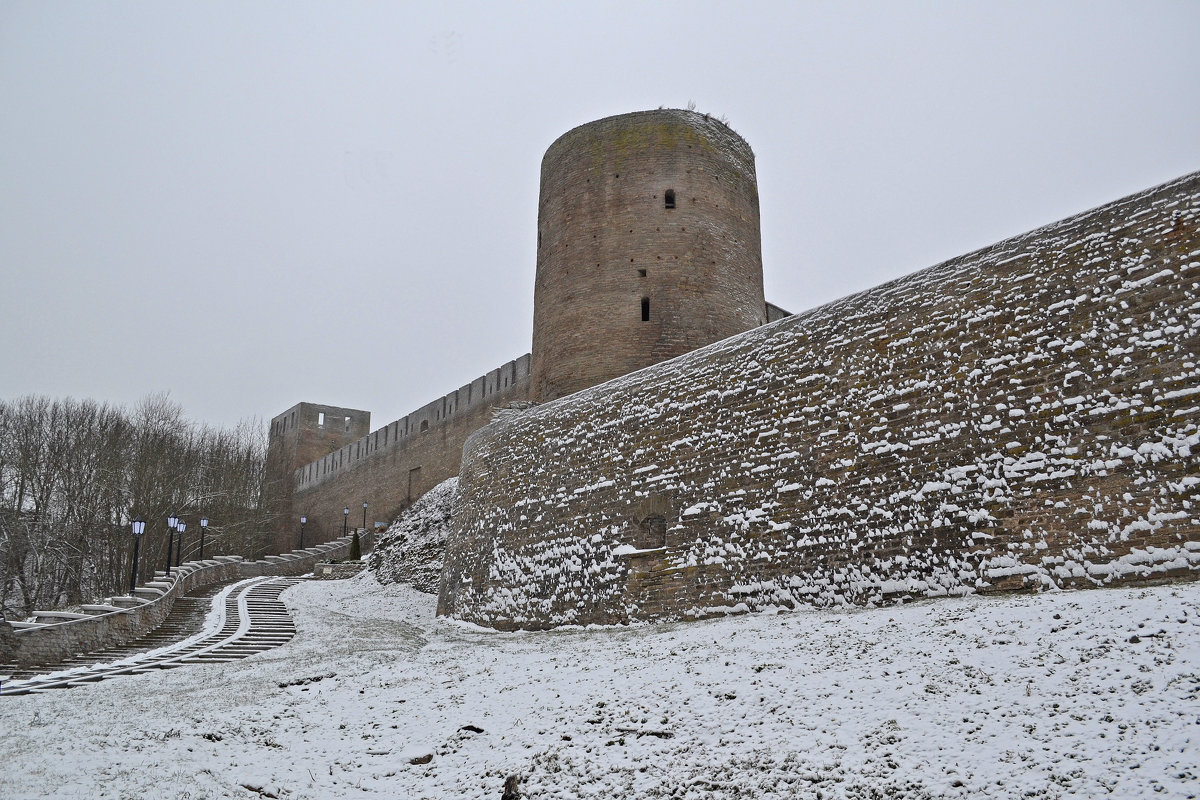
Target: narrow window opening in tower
424 425
641 273
670 203
347 423
645 309
320 419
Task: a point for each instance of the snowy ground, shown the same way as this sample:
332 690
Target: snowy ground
1084 694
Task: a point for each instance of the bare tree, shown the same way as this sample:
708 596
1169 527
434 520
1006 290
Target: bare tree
74 473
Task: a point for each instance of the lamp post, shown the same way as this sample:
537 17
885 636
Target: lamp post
139 527
179 547
303 522
203 528
364 516
345 517
172 521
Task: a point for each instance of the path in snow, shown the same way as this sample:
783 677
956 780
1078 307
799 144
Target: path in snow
1072 694
246 618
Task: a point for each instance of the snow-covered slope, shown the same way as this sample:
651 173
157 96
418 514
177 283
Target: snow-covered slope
410 551
1071 694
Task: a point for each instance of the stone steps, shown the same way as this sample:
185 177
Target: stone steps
269 626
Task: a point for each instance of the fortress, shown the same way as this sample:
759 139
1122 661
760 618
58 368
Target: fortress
647 248
1025 416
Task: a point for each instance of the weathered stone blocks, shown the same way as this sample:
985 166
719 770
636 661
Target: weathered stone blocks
1023 417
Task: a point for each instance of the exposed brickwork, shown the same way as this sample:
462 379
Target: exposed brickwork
1022 417
608 242
396 464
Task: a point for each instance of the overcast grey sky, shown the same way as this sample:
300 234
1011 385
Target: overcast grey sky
250 204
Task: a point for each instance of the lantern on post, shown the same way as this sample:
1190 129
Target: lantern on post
139 528
172 521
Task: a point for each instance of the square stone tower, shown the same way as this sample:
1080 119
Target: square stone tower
299 436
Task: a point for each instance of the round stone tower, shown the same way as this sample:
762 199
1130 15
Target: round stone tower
648 247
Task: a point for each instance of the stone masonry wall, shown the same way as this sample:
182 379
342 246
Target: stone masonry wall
396 464
1023 417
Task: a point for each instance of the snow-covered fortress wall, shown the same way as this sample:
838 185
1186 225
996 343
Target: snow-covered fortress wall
1021 417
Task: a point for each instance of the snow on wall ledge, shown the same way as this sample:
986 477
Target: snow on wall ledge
1023 417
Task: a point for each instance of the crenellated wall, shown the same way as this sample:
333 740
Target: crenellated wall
394 465
307 431
1022 417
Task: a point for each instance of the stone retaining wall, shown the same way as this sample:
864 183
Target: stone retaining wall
1023 417
338 571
